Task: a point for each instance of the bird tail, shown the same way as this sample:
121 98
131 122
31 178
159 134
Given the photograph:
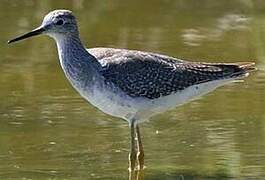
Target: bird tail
242 69
247 66
236 70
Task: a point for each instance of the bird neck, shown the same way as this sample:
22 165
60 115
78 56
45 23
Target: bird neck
79 66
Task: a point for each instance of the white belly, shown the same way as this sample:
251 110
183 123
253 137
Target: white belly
165 103
115 104
125 107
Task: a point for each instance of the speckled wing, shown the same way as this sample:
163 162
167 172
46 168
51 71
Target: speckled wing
149 75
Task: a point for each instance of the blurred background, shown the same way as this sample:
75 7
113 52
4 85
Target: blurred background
47 131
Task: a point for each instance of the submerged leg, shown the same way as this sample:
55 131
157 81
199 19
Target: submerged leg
140 154
132 155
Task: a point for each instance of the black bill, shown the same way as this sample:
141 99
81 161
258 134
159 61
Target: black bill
34 32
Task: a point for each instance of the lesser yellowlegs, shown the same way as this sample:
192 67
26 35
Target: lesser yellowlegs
132 85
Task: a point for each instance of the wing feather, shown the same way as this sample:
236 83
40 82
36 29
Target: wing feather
149 75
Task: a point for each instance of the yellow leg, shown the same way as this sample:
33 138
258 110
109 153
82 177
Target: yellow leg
140 175
132 155
140 154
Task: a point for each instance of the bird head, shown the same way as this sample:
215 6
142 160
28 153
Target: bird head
57 24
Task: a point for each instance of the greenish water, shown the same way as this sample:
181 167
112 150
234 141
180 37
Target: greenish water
47 131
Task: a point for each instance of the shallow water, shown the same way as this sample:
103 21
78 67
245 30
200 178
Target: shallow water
47 131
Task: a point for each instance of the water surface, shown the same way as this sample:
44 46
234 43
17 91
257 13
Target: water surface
47 131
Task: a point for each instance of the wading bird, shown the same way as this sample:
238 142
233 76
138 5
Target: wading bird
129 84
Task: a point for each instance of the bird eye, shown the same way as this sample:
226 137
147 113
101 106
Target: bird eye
59 22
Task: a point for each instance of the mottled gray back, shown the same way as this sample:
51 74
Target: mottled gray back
149 75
